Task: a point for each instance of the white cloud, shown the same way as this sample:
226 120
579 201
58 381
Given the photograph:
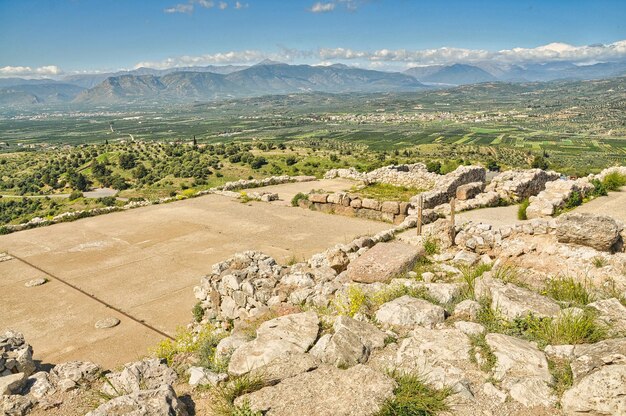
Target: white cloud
239 5
223 5
395 58
27 71
322 7
180 8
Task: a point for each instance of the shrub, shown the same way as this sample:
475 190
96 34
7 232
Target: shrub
598 188
75 195
108 201
569 328
413 397
562 375
521 210
198 312
614 181
297 198
184 342
434 167
568 290
352 301
574 200
431 246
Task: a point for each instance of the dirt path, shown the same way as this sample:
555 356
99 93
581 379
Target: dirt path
144 262
496 216
613 205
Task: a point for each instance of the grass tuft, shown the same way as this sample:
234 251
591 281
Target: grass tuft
413 397
224 395
295 201
569 290
521 210
614 181
469 274
479 346
431 245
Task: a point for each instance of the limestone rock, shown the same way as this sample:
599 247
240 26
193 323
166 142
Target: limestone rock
147 374
276 338
286 367
15 405
326 391
16 356
107 323
612 313
12 383
36 282
199 376
39 385
383 262
467 308
591 357
408 312
598 231
600 393
154 402
71 374
469 328
513 301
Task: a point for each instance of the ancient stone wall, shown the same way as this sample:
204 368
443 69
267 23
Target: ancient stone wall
517 185
555 196
413 175
354 206
446 186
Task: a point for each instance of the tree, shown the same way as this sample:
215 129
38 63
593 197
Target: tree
539 163
434 166
127 161
493 166
140 171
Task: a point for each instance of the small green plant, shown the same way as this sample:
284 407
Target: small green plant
599 262
206 353
574 200
431 245
224 395
185 341
521 210
569 328
469 274
413 397
354 300
614 181
198 312
245 410
569 290
295 201
508 273
562 376
479 346
244 198
598 188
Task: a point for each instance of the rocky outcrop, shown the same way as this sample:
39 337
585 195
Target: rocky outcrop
147 374
598 231
555 195
276 338
161 401
407 311
326 391
517 185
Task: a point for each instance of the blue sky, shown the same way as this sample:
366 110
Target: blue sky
40 37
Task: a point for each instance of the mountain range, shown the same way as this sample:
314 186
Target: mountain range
175 85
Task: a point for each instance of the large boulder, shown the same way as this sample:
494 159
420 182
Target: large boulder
276 338
383 262
597 231
351 343
326 391
612 313
600 393
72 374
148 374
407 311
513 301
522 369
154 402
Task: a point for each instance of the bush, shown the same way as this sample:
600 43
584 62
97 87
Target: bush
198 312
574 200
614 181
598 188
295 201
521 210
108 201
75 195
434 167
413 397
540 162
224 395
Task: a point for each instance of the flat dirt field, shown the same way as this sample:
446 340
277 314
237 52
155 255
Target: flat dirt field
145 263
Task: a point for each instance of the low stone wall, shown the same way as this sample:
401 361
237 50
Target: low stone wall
413 175
555 196
517 185
613 169
446 186
354 206
257 183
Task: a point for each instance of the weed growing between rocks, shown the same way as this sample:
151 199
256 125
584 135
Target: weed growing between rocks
614 181
563 379
481 354
599 262
521 210
431 245
224 395
198 312
509 273
186 341
570 291
414 397
469 274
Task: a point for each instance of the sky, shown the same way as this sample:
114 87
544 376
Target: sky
54 37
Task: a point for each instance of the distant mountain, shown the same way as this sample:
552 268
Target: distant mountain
32 93
262 79
10 82
91 80
457 74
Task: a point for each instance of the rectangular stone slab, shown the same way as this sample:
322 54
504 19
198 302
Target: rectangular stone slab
383 262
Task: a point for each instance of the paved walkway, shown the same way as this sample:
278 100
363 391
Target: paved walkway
144 262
